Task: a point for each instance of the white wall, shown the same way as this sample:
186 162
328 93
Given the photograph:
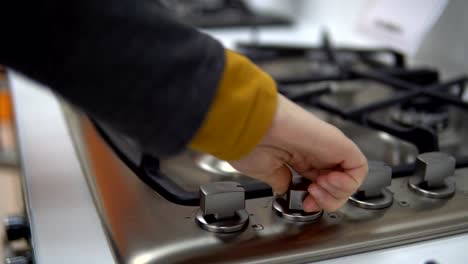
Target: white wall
445 46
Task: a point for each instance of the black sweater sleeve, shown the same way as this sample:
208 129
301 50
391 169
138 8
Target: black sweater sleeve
124 62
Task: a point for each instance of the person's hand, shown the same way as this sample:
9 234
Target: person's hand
313 148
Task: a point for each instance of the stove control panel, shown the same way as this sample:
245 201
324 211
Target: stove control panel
373 194
289 206
431 177
222 207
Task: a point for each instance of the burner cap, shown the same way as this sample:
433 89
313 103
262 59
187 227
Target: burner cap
422 112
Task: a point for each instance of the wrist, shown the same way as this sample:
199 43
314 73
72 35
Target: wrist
241 113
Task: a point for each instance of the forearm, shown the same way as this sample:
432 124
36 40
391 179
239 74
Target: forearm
130 65
126 63
241 113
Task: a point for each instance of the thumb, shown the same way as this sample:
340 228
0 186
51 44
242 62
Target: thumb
280 179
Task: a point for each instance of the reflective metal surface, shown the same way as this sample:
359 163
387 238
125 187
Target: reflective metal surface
445 191
384 200
375 145
146 228
186 171
215 165
227 225
281 208
352 94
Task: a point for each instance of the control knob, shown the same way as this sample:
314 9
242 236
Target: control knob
373 194
431 175
290 205
222 207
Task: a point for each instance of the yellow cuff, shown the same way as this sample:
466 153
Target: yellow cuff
241 113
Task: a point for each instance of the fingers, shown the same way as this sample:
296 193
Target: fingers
340 184
355 165
279 180
330 191
310 205
323 199
359 173
311 174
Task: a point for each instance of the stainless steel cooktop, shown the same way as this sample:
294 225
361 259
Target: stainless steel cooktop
194 208
145 227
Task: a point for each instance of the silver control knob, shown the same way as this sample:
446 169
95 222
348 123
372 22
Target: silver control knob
289 206
373 194
222 207
430 178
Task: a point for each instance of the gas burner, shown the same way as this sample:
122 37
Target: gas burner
422 111
214 165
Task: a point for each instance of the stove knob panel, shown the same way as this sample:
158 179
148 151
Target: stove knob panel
222 207
431 176
290 205
373 194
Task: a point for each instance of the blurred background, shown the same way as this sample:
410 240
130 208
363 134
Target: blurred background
442 23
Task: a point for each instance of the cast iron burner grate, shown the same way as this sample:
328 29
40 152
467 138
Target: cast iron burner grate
222 14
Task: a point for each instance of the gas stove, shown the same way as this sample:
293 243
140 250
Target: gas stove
198 209
195 208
